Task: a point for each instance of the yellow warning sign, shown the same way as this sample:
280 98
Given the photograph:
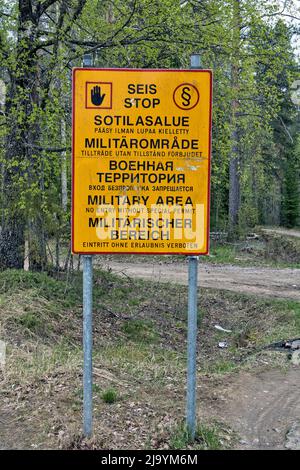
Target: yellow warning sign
141 161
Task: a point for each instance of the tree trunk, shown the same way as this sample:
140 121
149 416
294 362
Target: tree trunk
234 175
64 176
234 163
21 162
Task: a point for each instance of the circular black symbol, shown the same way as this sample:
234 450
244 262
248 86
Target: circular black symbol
186 96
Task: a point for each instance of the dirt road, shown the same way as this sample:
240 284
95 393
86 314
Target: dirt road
282 231
265 282
261 407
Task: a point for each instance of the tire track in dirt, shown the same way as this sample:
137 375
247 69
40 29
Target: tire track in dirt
262 407
265 282
14 432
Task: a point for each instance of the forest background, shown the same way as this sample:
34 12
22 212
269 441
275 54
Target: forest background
250 46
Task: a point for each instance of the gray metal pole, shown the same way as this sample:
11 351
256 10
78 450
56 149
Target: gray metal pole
87 345
192 323
192 347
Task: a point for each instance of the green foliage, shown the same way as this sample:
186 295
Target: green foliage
30 320
290 195
221 367
140 331
44 285
206 438
96 388
254 67
109 396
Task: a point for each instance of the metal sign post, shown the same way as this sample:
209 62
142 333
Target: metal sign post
192 324
87 345
192 347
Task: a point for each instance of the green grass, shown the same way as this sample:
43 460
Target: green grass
294 308
109 396
44 308
150 364
66 292
206 438
140 331
50 308
289 310
45 286
30 321
144 357
223 254
26 365
256 253
96 388
221 366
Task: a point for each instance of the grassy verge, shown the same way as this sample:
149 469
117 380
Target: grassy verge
207 437
274 252
139 357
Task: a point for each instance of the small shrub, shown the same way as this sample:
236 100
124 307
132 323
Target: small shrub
109 396
30 321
